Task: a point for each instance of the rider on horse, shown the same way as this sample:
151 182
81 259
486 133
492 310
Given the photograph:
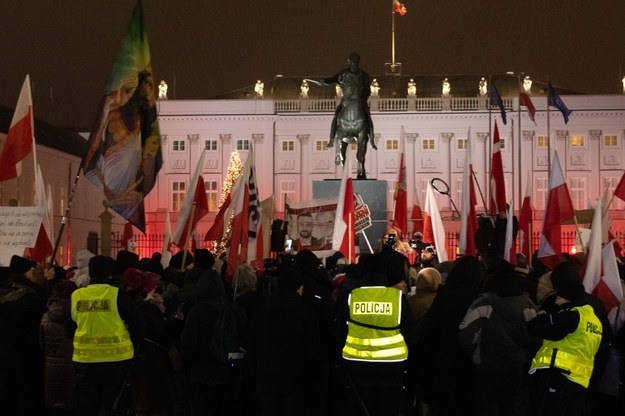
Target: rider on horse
355 84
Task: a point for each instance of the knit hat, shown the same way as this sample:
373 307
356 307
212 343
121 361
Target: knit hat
570 289
289 279
124 260
203 259
101 267
20 265
83 257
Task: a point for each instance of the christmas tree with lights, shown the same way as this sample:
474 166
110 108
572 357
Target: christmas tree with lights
232 174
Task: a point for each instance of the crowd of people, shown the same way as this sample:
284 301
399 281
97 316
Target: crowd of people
383 336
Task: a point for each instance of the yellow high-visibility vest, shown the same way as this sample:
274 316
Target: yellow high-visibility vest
373 328
101 335
575 353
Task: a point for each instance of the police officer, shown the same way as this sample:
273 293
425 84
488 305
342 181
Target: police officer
375 351
106 327
563 365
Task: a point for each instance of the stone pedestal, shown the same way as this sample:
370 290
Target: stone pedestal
374 194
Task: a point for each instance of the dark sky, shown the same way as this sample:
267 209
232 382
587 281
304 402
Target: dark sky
206 47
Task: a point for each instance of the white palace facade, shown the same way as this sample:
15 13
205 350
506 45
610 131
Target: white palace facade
289 135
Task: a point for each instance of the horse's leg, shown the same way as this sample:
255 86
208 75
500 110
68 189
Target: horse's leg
339 157
360 155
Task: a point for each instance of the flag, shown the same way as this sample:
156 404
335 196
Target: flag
400 216
509 249
525 100
167 252
20 138
416 215
554 100
399 8
468 217
495 99
245 218
559 208
264 242
498 186
195 207
222 220
601 277
127 235
433 229
619 191
124 151
525 222
43 245
344 235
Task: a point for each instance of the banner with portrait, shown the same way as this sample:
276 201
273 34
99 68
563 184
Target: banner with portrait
311 224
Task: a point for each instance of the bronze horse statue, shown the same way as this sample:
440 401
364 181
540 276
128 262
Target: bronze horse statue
352 122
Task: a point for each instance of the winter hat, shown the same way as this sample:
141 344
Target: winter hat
82 258
503 270
101 267
20 265
564 271
203 259
289 279
125 259
133 279
570 289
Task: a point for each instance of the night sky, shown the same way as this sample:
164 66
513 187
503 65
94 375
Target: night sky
207 47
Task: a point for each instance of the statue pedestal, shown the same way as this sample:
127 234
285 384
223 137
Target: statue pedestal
373 193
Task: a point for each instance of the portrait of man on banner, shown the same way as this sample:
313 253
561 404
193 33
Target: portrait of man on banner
311 224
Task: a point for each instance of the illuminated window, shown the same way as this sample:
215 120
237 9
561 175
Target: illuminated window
287 191
320 145
462 144
502 144
178 192
243 144
540 193
212 196
288 146
179 145
210 145
577 141
610 183
392 144
428 144
578 192
542 141
610 141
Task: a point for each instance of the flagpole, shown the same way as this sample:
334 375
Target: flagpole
65 216
489 151
520 135
350 231
32 127
392 37
189 226
548 135
367 241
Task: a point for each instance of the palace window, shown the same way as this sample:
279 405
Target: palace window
578 192
288 146
462 144
178 193
178 145
243 144
392 144
210 145
320 145
577 141
542 141
428 144
540 193
610 141
212 196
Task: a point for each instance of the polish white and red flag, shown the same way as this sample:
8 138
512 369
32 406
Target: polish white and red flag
195 207
400 215
601 277
246 219
44 243
399 8
433 229
498 186
416 215
468 217
509 248
344 233
559 208
525 222
168 246
525 100
20 139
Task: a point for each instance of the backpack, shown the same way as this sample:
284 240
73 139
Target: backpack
226 344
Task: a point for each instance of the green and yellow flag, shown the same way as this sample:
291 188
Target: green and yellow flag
124 154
